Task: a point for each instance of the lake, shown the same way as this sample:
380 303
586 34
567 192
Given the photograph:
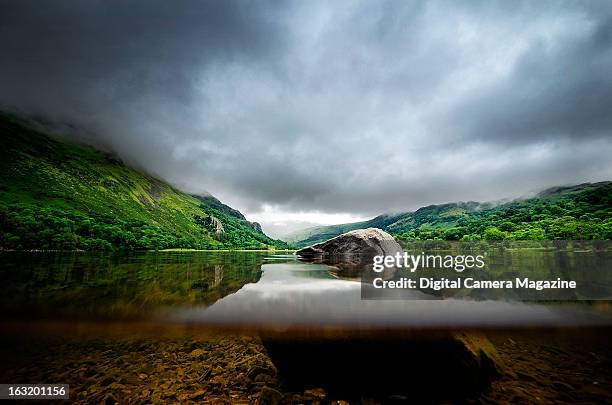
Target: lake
258 289
236 327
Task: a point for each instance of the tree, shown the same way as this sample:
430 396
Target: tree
493 233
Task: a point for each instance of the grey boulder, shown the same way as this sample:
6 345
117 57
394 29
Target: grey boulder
364 242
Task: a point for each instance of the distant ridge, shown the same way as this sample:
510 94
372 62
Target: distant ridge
582 211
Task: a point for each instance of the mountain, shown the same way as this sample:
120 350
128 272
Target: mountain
56 194
582 211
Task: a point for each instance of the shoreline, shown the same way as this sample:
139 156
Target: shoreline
111 252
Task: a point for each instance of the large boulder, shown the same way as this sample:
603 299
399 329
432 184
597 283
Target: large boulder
352 253
425 366
429 365
363 242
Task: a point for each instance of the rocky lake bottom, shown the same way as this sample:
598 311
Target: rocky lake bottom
551 366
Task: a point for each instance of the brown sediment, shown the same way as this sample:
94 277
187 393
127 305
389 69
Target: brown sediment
148 363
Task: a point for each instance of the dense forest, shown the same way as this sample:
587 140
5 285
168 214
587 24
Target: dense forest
56 194
582 212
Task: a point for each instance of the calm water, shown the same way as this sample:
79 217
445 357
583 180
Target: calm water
260 289
139 285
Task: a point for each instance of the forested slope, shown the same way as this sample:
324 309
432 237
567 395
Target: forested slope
56 194
577 212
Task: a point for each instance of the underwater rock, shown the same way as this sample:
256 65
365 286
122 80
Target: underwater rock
270 396
416 365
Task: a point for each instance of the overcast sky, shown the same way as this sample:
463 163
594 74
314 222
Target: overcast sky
312 112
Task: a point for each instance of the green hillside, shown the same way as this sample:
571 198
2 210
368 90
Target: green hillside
578 212
60 195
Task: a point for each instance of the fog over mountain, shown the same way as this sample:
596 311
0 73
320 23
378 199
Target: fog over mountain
300 113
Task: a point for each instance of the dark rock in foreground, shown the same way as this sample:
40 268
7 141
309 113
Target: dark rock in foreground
431 367
416 365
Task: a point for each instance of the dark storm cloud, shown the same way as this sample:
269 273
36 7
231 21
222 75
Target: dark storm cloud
359 107
123 49
552 92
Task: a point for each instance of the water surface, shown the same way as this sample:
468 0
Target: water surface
257 289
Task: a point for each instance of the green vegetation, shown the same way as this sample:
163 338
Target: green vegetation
60 195
582 212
